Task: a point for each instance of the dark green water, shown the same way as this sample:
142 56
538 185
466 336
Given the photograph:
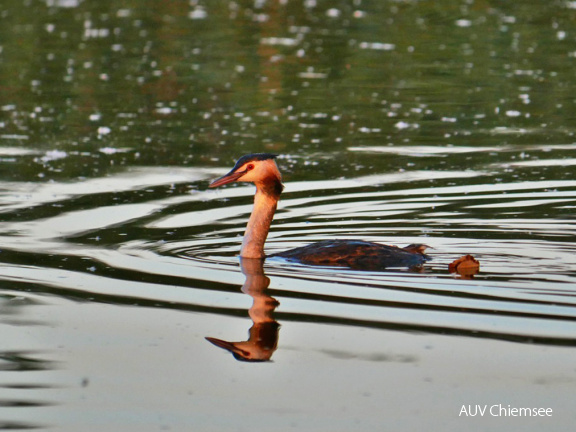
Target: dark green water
445 123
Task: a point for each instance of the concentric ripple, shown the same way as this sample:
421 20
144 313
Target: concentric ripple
159 239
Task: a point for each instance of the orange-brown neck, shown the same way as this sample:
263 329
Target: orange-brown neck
265 203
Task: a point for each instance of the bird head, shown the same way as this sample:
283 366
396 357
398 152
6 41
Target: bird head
257 168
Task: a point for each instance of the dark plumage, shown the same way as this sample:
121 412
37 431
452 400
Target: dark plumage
356 254
251 158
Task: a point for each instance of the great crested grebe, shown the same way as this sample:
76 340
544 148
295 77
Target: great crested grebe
261 169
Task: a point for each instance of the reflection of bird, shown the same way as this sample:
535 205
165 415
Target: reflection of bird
263 336
261 169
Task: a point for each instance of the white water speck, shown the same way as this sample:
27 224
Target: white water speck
402 125
52 155
198 13
63 3
104 130
279 41
463 23
93 33
164 110
525 98
261 17
369 130
513 113
377 46
113 150
312 75
14 137
333 13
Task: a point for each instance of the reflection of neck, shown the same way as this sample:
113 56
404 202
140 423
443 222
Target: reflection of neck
255 286
265 202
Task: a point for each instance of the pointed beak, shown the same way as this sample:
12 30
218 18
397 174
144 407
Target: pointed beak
225 179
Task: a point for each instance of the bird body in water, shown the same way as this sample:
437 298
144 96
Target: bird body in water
261 169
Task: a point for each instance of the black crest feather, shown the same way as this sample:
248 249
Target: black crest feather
253 157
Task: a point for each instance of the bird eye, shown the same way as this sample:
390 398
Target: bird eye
250 167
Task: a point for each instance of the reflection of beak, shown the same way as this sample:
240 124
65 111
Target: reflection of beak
228 178
229 346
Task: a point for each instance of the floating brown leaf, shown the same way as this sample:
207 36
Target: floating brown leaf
466 266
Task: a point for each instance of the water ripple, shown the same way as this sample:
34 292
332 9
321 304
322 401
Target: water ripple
175 246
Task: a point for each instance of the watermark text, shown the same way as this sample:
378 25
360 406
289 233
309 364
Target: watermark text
500 410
